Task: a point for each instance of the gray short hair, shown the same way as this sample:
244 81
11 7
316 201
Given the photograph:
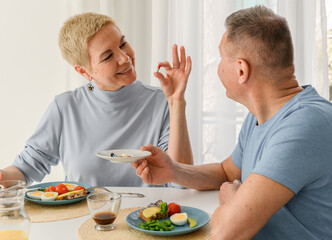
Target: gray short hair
263 34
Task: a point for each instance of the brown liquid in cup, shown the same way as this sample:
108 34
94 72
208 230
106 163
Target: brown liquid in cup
104 218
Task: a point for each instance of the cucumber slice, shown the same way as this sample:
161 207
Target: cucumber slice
192 222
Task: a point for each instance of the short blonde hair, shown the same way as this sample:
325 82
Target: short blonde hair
76 33
263 34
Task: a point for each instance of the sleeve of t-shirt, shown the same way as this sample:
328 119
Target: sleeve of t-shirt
297 152
42 148
238 151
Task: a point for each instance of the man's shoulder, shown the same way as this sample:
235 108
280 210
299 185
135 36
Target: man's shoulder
307 121
307 109
310 100
311 114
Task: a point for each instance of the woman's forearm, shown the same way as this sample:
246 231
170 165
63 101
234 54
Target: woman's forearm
11 173
179 147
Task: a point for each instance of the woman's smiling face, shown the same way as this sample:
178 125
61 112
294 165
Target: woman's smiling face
112 60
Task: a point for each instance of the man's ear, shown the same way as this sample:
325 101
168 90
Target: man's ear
82 71
243 70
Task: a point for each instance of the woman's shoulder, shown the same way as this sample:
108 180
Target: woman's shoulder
149 88
71 95
150 92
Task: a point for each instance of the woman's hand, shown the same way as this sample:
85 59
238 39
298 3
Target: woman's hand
2 175
11 173
156 168
175 82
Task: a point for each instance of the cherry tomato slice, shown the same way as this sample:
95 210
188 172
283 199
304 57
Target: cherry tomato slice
50 189
61 189
79 188
173 208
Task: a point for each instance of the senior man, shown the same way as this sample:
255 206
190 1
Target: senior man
283 156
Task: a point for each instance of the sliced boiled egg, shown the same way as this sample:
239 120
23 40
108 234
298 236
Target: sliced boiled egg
35 194
70 186
179 219
49 196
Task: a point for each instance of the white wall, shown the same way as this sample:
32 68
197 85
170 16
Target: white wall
32 70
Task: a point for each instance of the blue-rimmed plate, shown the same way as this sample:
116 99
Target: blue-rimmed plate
201 217
62 202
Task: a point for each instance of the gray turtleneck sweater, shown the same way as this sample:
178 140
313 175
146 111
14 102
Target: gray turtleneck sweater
80 123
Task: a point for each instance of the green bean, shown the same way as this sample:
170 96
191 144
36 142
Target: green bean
156 225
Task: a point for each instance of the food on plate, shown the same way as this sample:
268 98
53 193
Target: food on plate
79 188
63 191
163 208
35 194
173 208
192 222
70 186
122 155
61 188
49 196
157 203
179 219
152 217
125 155
156 225
151 213
72 194
50 189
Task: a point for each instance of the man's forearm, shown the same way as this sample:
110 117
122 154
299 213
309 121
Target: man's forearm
200 177
179 147
244 214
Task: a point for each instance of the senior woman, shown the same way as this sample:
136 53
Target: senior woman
112 111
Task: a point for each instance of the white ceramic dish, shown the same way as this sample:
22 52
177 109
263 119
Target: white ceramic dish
134 154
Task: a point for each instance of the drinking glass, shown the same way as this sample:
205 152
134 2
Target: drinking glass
14 222
104 208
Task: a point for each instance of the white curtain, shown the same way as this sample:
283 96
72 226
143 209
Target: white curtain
33 71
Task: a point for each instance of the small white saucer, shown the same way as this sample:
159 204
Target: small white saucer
134 154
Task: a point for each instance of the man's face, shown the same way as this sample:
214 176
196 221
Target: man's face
227 69
112 59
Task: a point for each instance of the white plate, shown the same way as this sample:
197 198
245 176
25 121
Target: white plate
135 154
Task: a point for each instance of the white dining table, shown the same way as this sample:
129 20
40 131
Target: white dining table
68 229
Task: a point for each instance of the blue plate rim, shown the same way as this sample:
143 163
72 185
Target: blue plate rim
54 203
169 233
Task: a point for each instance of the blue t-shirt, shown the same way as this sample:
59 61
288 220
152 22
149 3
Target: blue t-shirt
293 148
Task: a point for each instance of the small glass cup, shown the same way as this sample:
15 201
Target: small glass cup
14 222
104 208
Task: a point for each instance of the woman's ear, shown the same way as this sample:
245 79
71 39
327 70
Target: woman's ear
243 70
82 71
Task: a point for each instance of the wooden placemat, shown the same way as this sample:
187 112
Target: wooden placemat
124 231
45 213
51 213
